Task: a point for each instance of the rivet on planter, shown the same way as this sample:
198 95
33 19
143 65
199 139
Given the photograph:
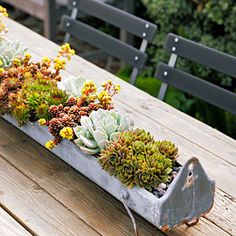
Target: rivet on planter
176 40
147 26
144 34
173 49
74 3
136 58
68 24
165 73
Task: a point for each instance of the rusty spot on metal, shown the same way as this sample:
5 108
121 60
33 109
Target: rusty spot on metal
165 228
190 180
192 222
194 161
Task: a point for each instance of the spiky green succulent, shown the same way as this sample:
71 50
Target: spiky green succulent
10 49
32 102
168 149
99 128
134 158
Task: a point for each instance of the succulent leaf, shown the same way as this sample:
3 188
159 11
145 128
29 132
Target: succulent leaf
89 150
100 127
10 49
88 142
72 85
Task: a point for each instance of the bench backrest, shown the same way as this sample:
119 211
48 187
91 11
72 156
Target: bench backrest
105 42
219 61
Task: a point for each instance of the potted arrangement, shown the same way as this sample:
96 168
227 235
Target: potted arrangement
78 122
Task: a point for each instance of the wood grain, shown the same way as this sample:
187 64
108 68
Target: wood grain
96 206
9 226
35 207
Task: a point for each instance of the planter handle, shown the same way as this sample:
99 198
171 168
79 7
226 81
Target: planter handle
124 196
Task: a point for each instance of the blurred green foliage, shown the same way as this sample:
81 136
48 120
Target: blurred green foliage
210 22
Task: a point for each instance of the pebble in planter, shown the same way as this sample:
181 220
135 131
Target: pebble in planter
99 128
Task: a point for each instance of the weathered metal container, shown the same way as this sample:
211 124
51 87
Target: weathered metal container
189 196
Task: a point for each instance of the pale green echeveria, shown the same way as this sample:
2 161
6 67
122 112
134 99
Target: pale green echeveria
10 49
71 85
99 128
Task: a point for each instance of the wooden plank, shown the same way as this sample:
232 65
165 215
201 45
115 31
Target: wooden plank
10 227
214 163
183 125
224 212
203 228
36 208
53 175
93 205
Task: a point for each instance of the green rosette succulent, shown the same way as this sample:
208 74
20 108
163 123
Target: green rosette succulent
135 159
168 149
126 171
113 156
10 49
101 127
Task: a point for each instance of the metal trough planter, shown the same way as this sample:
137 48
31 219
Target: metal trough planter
189 196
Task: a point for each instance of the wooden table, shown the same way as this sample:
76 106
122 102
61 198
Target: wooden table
41 195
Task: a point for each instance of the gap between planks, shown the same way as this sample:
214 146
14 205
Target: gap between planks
10 225
54 180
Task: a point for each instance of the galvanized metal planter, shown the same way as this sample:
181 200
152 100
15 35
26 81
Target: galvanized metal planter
190 195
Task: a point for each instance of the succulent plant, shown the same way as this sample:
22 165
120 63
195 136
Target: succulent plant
168 149
134 158
10 49
99 128
34 98
88 92
72 85
27 88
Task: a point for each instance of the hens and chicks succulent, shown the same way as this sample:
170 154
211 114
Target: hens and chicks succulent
135 158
